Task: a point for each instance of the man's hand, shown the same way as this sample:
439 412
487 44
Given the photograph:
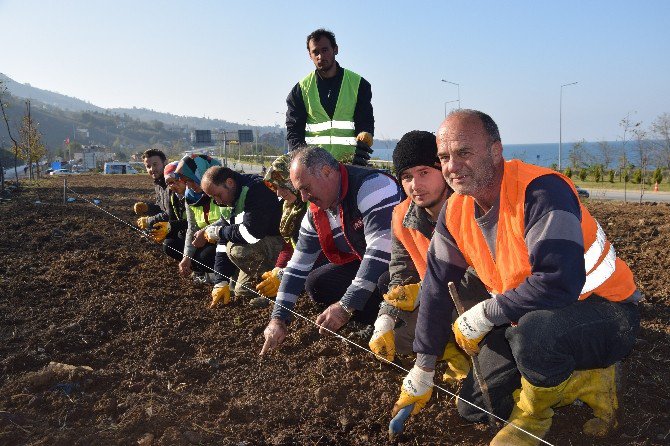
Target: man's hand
199 239
143 222
212 234
403 297
141 208
159 231
470 328
333 318
458 364
382 342
365 137
417 387
269 286
274 333
361 154
220 292
185 267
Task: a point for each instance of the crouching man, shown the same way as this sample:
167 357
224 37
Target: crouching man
349 220
249 240
563 308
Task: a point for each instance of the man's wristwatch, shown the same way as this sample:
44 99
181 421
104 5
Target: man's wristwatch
349 310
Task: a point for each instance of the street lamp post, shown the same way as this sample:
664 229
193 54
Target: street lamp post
560 124
445 106
285 136
459 90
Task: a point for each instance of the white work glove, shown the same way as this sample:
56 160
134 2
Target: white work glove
382 342
212 233
471 327
417 387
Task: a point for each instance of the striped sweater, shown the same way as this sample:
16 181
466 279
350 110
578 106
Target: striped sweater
375 200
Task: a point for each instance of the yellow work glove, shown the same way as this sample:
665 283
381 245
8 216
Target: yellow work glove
403 297
141 208
365 137
270 283
221 291
159 231
417 387
470 328
382 342
143 222
458 364
212 234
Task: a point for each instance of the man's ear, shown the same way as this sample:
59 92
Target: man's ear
230 183
335 50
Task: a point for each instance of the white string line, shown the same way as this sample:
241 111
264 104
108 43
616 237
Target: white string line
366 350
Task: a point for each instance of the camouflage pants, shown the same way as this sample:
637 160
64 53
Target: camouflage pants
251 260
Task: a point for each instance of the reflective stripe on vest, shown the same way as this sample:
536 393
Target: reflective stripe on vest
606 274
238 215
336 135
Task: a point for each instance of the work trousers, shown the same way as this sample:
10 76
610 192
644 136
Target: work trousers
328 283
546 346
174 247
251 260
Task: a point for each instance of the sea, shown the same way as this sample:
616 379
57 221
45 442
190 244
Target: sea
546 154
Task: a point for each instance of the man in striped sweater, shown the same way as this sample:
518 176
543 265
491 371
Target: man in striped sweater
349 220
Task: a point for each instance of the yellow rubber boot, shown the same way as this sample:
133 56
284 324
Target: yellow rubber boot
532 413
458 364
598 388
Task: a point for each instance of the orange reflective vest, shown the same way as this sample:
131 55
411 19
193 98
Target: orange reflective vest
606 274
414 241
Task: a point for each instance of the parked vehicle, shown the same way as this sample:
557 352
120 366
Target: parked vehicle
62 172
583 193
118 168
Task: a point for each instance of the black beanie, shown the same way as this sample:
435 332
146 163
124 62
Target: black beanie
415 148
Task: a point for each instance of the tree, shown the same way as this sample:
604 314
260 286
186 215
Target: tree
568 172
582 174
660 129
627 125
611 176
657 176
3 90
31 146
607 154
598 173
577 155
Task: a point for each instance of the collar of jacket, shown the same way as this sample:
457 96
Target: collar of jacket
161 182
418 219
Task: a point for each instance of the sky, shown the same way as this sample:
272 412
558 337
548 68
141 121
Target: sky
238 60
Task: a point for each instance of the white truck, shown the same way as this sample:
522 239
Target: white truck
118 168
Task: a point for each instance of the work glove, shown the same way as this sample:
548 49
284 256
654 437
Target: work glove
404 297
382 342
221 291
417 387
361 154
143 222
159 231
471 327
212 234
458 364
270 283
141 208
365 137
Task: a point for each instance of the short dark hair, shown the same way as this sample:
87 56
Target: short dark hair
490 127
314 158
218 175
319 33
154 152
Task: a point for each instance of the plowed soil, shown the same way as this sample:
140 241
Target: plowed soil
139 358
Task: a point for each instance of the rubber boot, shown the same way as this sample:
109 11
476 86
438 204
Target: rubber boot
599 389
458 363
532 413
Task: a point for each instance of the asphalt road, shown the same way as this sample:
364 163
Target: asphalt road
631 195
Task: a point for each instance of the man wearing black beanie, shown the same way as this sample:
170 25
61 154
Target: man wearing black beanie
418 169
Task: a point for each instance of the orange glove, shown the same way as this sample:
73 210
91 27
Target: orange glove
417 387
270 284
141 208
221 291
143 222
159 231
404 297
